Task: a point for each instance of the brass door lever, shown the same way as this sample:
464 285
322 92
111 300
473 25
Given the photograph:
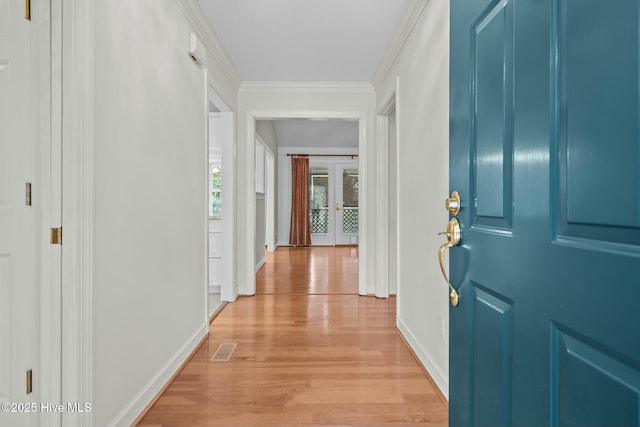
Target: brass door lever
453 239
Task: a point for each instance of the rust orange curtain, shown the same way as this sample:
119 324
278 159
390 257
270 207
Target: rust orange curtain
300 234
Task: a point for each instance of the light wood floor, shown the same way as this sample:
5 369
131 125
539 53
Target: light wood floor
310 352
310 271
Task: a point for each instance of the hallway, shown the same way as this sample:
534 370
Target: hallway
310 352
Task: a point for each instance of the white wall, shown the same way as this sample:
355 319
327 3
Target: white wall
149 212
422 106
284 181
278 100
267 132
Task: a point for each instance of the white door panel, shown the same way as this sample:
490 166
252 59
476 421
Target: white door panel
19 303
4 127
5 331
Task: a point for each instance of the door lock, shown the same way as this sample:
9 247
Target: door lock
452 204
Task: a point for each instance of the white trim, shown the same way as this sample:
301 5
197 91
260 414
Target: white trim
305 88
207 155
363 214
77 219
246 261
215 52
307 114
140 401
260 263
407 23
397 189
48 179
270 208
427 360
382 214
246 239
262 181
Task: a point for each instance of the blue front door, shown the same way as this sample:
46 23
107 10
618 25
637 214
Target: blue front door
545 152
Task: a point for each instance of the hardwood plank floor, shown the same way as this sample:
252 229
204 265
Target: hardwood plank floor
303 358
316 270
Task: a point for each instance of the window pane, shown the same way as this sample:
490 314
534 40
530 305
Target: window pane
215 199
350 200
319 200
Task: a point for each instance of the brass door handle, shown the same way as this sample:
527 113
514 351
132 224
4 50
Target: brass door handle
337 206
453 239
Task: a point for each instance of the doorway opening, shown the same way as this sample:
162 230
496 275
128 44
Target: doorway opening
220 186
331 143
265 200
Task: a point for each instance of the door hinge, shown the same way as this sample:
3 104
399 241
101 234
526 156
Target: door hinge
55 235
27 10
29 381
28 194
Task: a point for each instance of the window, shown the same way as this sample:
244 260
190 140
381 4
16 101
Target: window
215 191
319 200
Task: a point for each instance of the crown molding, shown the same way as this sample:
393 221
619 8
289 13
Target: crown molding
306 87
196 17
407 24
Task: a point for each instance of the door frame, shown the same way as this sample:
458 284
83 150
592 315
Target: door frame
72 91
246 266
390 104
228 291
47 110
270 166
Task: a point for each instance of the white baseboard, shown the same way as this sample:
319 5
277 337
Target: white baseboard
214 289
440 378
146 395
260 264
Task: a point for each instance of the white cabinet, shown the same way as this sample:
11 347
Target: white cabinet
215 254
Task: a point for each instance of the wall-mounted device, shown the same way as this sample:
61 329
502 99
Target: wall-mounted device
196 51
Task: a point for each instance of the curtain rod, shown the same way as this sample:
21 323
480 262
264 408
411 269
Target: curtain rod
322 155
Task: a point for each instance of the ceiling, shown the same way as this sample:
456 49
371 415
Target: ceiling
305 40
305 133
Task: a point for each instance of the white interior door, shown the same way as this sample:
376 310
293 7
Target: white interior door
346 209
19 299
